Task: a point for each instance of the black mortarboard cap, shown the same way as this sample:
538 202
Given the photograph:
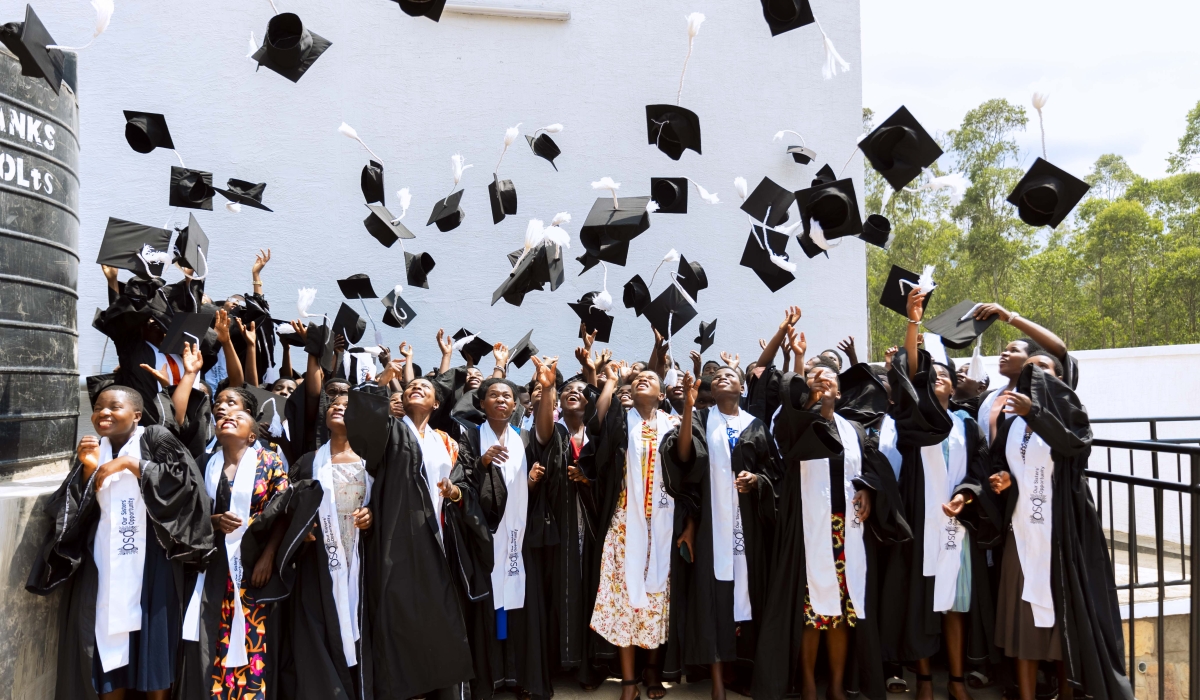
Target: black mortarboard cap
186 328
523 350
545 147
98 383
269 404
957 332
786 15
876 230
708 335
672 304
503 197
768 196
809 246
540 266
824 176
244 192
692 277
446 213
349 324
191 189
417 267
672 129
399 314
475 350
146 131
386 229
367 417
895 295
899 148
320 343
863 396
28 41
605 224
371 182
357 287
191 246
288 336
636 294
802 154
1047 194
834 206
460 334
289 48
670 193
755 257
589 261
423 8
594 320
124 240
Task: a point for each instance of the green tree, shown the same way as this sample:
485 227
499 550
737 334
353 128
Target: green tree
1189 144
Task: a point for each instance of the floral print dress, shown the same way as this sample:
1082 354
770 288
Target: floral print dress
247 682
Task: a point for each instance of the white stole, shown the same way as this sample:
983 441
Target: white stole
1033 473
343 566
729 544
508 567
823 590
887 444
119 552
436 460
941 556
647 544
174 372
242 490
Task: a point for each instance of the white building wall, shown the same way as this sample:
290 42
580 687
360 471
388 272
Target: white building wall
419 92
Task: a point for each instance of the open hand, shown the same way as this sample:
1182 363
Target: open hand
261 258
691 389
445 342
221 326
731 360
300 329
406 351
193 361
791 316
247 331
500 352
955 506
161 375
1017 403
847 348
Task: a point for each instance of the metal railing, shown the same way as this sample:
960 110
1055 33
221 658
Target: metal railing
1153 422
1172 484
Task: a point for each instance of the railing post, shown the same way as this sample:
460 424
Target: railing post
1194 614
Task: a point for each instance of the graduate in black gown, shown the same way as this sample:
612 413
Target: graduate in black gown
131 519
730 458
825 576
1057 601
328 643
430 552
939 579
516 491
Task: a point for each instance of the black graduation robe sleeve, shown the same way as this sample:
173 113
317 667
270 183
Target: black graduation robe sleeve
467 533
682 479
763 392
920 418
176 501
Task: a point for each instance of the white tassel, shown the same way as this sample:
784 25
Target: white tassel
779 135
710 198
152 256
1039 101
694 21
739 185
603 300
552 129
304 301
458 167
234 207
606 183
510 135
672 257
887 197
925 282
462 342
104 13
558 236
276 427
651 207
782 262
349 132
787 230
817 234
398 289
252 47
975 371
672 377
833 59
955 182
405 200
560 218
534 233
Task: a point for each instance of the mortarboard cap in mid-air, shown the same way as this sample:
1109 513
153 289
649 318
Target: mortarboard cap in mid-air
191 189
673 306
29 41
899 148
386 229
594 319
503 197
357 286
185 328
371 182
417 267
399 314
636 294
833 206
757 258
431 9
672 129
786 15
289 48
134 247
446 213
769 203
244 192
544 146
670 193
1047 194
523 350
146 131
708 335
895 294
191 246
691 277
349 324
957 325
877 230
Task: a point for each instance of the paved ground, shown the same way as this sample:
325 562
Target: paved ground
565 689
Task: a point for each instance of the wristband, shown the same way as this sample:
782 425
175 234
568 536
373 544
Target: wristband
1012 317
914 322
456 500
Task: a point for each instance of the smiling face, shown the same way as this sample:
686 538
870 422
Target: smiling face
573 400
498 402
625 396
1013 358
725 383
420 397
646 389
474 379
115 414
943 386
228 400
236 429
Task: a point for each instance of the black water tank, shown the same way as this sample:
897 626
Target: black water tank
39 269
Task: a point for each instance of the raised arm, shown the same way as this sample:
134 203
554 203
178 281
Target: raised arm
1039 334
916 311
847 347
772 347
799 347
500 352
260 261
544 370
409 373
251 368
447 347
233 365
612 377
691 387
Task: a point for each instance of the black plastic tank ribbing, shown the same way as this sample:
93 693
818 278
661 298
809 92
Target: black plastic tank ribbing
39 268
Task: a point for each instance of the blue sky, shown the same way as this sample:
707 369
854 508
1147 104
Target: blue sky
1121 75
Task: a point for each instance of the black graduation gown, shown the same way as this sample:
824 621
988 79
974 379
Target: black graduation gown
417 590
1081 573
912 630
311 661
524 658
802 435
603 463
569 609
195 679
177 509
712 634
